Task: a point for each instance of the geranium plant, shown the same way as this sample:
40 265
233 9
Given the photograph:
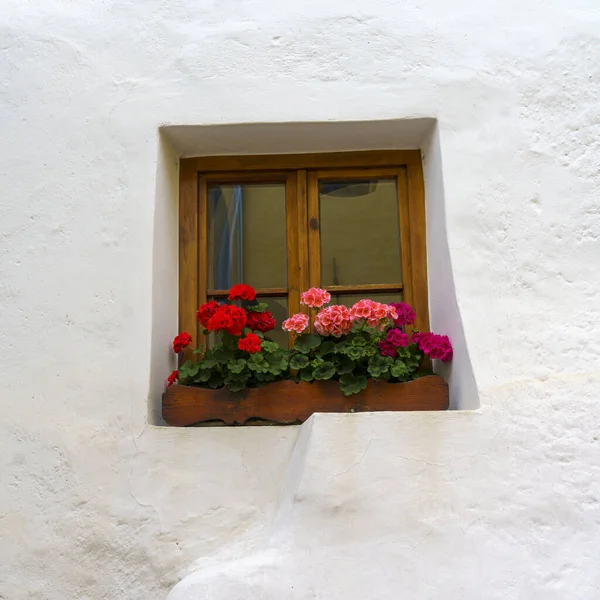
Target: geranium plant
366 341
243 355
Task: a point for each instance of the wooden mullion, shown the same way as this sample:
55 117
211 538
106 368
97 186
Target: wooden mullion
418 245
259 292
321 160
314 234
366 173
293 256
302 226
314 229
188 251
202 247
367 287
405 245
224 178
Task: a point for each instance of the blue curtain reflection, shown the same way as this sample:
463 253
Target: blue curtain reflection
227 225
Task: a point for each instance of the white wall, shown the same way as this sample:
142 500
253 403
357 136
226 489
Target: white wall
502 502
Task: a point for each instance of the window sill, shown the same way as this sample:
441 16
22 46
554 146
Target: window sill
286 402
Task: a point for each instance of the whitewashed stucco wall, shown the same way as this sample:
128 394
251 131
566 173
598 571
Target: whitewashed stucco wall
501 502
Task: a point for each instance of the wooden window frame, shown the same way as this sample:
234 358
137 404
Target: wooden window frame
301 173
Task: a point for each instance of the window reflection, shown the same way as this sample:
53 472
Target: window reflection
360 236
247 235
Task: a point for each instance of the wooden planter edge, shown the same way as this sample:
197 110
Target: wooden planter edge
287 402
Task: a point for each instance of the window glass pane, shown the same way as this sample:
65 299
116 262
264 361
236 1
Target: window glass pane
247 235
360 237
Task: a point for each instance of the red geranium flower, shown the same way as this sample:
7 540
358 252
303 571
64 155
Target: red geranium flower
230 319
242 291
251 343
172 378
261 321
206 311
181 341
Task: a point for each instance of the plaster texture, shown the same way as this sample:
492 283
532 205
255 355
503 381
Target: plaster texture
98 100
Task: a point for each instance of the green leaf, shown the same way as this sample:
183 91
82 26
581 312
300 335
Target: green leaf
412 364
358 340
352 384
355 352
222 355
416 357
258 364
215 381
341 347
277 364
236 365
372 351
203 376
307 342
306 374
229 346
236 386
188 369
299 361
207 363
344 364
259 307
237 379
378 366
242 376
403 353
326 347
316 361
268 346
399 370
324 371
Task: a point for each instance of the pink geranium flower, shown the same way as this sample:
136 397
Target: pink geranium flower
374 314
315 297
334 320
297 323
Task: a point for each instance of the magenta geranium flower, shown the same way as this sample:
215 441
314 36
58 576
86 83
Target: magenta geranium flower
405 312
397 338
437 346
386 348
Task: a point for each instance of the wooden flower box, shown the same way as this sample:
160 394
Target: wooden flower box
286 402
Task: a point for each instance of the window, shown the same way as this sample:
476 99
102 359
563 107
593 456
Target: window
351 222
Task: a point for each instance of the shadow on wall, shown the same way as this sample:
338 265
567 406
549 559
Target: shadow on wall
165 261
443 304
176 141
